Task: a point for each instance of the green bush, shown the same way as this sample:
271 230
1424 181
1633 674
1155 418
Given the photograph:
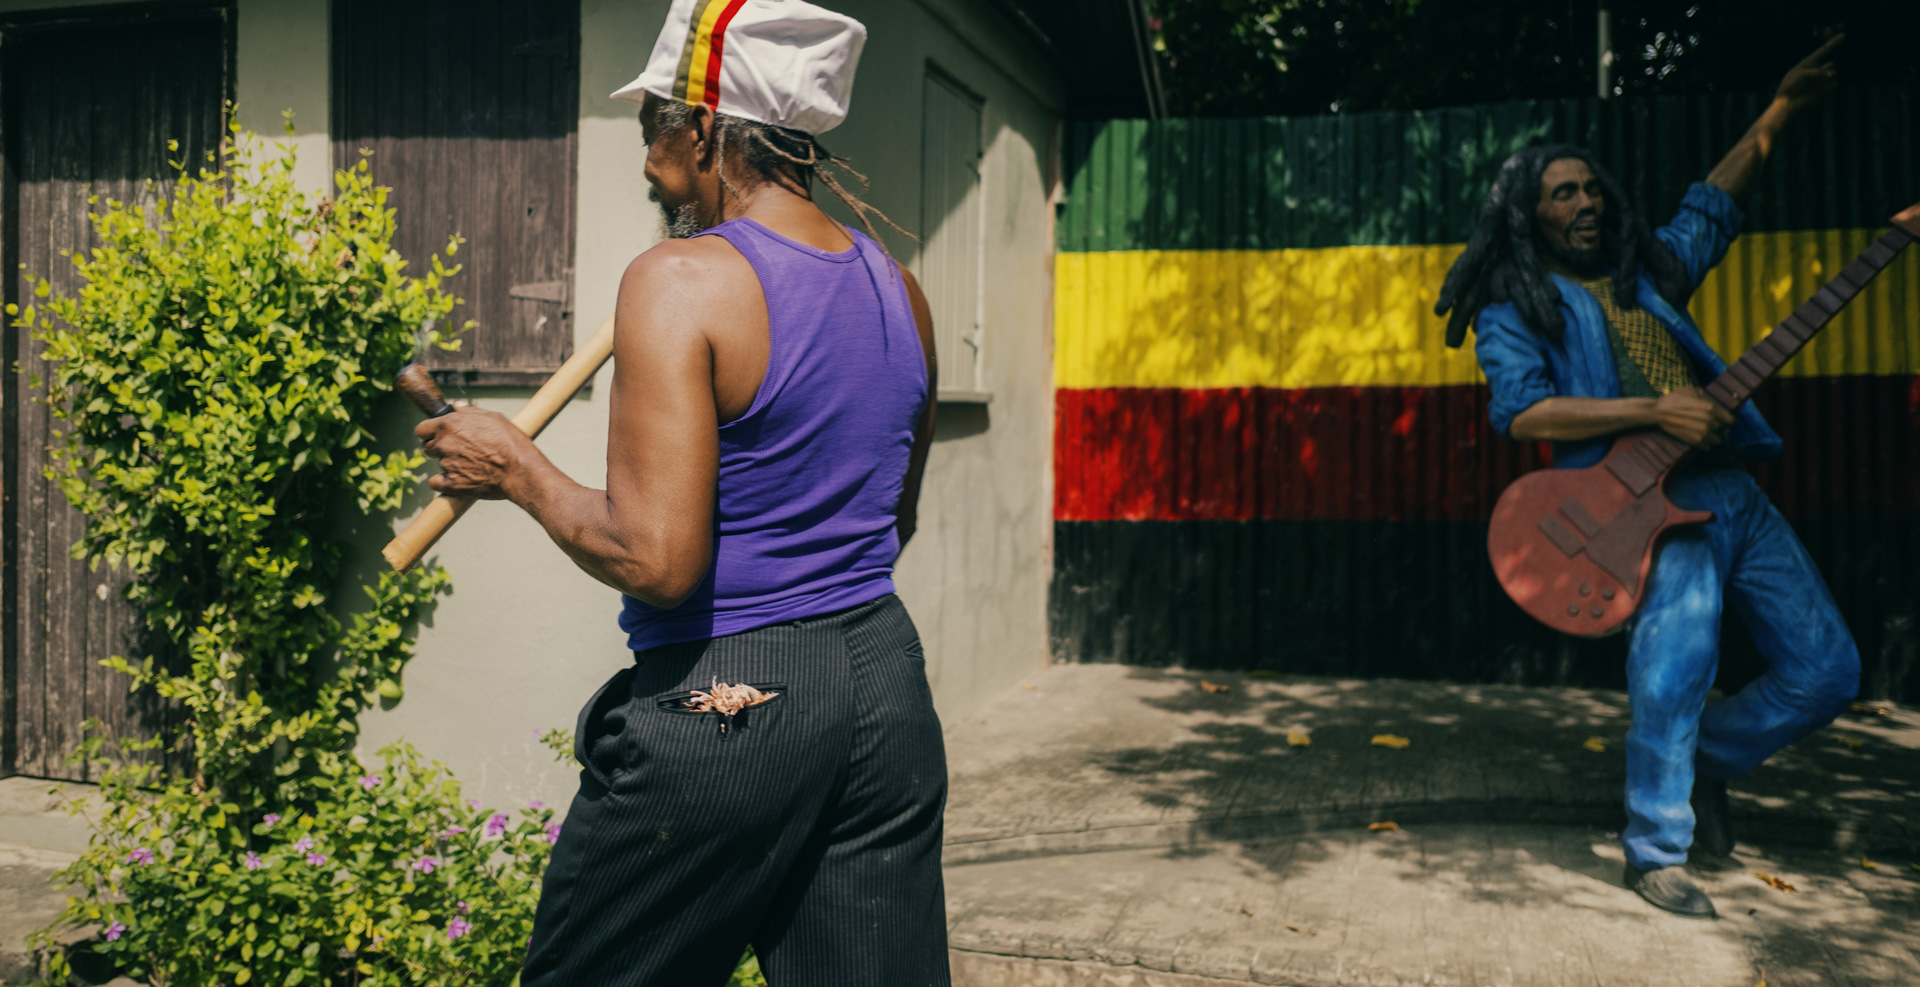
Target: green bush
212 383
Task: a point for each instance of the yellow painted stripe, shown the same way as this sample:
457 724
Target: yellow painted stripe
1363 316
702 48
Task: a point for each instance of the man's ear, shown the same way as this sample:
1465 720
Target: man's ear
701 123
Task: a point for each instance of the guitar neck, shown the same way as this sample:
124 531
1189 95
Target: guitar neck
1640 464
1745 375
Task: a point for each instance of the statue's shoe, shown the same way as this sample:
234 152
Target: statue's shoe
1712 818
1670 889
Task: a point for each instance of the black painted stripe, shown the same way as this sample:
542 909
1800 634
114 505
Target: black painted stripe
1398 599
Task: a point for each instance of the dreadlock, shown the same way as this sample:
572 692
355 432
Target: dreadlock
781 155
1502 260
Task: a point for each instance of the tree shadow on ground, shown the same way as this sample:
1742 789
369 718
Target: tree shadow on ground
1517 755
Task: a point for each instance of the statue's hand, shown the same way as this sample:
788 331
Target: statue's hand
1812 79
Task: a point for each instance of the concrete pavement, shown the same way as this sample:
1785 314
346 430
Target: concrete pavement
1129 826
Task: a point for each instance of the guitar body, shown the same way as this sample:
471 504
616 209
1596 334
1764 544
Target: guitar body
1574 547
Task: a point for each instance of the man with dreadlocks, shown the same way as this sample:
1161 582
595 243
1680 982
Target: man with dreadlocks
1580 320
770 770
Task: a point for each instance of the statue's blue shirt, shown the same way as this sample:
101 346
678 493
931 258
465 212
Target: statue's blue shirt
1523 366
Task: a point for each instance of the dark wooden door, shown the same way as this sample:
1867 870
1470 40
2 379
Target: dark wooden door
470 108
89 106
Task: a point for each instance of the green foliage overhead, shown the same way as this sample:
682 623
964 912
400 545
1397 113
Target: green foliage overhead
1307 57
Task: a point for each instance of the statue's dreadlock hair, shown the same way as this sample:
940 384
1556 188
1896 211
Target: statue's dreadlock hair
790 158
1502 260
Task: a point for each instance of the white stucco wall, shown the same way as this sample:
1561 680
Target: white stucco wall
526 638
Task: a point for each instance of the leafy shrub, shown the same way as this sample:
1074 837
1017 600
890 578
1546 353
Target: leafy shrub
212 381
384 878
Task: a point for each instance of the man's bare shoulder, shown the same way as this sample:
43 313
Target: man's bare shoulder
689 266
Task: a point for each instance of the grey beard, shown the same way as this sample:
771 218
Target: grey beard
682 222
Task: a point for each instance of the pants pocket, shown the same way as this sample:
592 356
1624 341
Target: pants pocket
595 741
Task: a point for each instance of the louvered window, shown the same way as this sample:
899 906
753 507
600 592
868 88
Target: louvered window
470 108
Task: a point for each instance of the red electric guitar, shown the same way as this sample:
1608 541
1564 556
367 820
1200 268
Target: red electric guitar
1573 547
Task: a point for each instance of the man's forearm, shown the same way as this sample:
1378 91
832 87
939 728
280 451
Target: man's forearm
1564 419
1736 172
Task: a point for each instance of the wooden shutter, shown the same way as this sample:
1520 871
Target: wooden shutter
89 106
470 108
950 223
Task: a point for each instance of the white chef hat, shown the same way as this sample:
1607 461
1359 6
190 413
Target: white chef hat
783 62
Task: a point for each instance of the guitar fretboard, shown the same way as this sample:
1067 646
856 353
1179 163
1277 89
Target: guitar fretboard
1642 465
1745 375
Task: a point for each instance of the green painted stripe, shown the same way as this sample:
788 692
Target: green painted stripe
1410 178
683 73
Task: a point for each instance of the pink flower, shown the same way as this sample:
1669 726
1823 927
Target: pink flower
316 859
253 861
114 930
369 782
473 805
304 843
425 865
461 907
141 855
453 831
270 818
497 825
457 928
553 833
536 804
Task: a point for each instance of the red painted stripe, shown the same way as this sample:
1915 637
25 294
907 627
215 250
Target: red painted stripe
713 51
1426 454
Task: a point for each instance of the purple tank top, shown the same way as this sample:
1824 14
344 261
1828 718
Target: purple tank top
811 474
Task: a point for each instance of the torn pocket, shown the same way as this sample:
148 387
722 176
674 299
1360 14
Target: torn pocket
727 703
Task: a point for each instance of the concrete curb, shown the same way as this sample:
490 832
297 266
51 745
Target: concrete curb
1767 827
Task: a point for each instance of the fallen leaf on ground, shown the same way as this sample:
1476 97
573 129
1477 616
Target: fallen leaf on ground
1868 864
1263 673
1244 910
1775 883
1869 709
1392 740
1596 745
1382 827
1304 932
1763 979
1214 686
1297 737
1848 739
1023 685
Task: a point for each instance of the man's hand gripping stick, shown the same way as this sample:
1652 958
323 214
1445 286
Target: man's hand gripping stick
409 545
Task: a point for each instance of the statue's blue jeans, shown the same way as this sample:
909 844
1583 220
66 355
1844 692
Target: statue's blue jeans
1747 557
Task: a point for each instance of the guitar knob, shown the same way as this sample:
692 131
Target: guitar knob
1598 611
1573 609
1607 594
1586 589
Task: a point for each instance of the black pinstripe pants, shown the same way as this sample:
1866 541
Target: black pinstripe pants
808 826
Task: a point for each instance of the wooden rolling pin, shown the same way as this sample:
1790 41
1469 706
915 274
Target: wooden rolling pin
409 545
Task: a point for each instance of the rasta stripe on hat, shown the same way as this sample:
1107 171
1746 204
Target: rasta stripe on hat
788 63
698 78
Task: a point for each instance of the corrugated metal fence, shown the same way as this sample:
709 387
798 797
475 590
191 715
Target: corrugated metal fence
1266 457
